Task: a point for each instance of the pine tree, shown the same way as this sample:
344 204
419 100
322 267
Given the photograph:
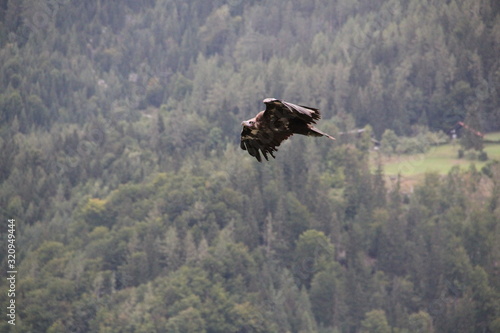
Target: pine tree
375 322
472 136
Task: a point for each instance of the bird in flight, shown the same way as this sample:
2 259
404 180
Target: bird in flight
280 120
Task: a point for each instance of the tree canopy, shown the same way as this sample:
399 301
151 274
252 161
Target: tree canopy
137 211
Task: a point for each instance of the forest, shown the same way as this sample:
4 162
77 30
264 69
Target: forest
137 211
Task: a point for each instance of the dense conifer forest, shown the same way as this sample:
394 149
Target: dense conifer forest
136 210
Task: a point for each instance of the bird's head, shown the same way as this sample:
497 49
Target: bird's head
250 123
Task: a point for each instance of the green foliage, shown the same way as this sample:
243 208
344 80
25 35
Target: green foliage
470 138
389 141
188 320
375 322
95 212
11 106
420 322
422 140
48 251
313 252
483 156
137 211
326 295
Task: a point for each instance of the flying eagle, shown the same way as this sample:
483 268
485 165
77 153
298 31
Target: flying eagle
280 120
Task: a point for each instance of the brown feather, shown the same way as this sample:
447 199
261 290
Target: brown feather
280 120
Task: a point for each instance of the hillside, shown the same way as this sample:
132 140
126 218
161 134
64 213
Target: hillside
137 211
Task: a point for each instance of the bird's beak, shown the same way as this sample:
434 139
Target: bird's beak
245 123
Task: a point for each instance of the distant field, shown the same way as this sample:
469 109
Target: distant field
438 159
492 136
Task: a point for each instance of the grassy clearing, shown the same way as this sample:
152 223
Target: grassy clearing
438 159
495 136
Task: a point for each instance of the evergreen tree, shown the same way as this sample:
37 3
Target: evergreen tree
375 322
119 160
472 133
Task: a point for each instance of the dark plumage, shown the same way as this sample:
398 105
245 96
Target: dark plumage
276 123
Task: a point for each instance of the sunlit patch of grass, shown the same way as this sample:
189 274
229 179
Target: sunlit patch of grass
493 151
438 159
494 136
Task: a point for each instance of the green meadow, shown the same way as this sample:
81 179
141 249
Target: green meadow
439 159
495 136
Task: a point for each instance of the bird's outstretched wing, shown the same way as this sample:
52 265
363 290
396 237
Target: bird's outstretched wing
263 140
277 123
277 112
